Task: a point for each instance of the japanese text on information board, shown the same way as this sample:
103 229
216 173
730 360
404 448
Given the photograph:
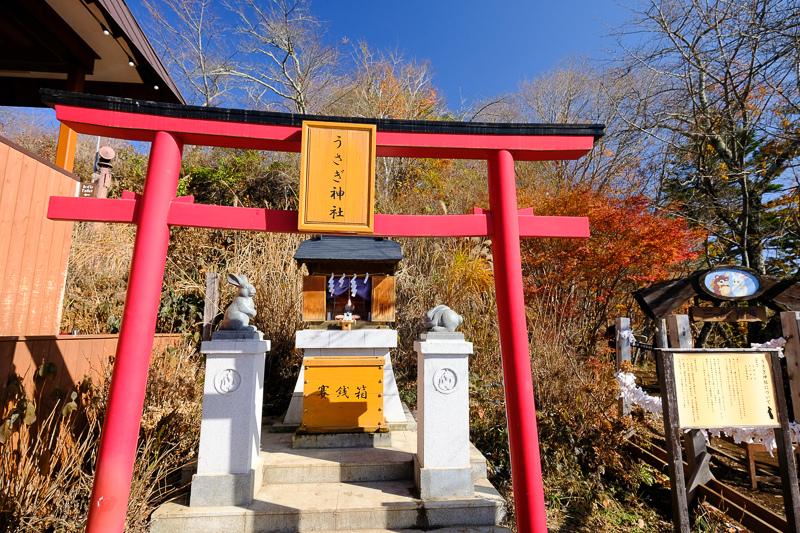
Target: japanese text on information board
724 390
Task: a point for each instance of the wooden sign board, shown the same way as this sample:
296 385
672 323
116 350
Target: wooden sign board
337 178
712 388
724 389
728 314
87 190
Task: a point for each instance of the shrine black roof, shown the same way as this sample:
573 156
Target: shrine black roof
53 97
348 248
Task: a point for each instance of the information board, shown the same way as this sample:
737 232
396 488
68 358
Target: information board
337 177
724 389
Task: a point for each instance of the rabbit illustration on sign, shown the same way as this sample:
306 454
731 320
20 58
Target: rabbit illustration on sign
242 309
738 287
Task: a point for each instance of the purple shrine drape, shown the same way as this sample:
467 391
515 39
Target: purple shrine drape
363 290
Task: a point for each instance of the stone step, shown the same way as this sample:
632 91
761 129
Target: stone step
463 529
283 464
301 507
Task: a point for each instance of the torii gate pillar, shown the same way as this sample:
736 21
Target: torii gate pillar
526 467
121 431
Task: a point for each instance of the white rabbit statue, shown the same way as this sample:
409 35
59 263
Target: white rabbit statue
238 314
442 318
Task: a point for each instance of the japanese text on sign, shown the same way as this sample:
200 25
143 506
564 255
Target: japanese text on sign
724 389
337 177
343 391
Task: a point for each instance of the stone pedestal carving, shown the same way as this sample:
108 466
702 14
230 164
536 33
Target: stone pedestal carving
337 343
230 431
442 466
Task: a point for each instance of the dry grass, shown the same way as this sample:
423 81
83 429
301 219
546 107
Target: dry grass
47 458
94 295
45 478
169 434
266 260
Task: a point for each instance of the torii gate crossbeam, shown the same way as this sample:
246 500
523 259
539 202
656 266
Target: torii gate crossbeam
169 127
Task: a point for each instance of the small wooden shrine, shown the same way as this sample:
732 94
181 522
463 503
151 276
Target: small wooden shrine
349 305
355 269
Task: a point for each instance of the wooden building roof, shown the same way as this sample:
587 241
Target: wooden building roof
42 41
661 299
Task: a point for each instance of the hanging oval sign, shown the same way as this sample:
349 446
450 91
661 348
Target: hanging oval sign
731 283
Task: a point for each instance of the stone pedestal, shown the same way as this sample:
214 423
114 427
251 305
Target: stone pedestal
230 431
337 343
442 466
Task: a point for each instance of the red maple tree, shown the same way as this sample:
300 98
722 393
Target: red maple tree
588 280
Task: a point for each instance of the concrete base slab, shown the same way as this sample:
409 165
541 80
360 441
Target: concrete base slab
343 440
226 335
283 464
467 529
280 425
369 490
211 490
336 507
443 483
410 424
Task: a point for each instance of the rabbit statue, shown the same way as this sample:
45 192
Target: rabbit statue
442 318
238 314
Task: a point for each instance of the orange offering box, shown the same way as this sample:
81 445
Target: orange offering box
343 395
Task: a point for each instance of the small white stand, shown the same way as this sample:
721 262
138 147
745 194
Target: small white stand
230 431
442 467
337 343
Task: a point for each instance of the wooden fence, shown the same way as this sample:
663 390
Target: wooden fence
73 357
33 250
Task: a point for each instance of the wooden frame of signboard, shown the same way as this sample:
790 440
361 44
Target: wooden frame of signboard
671 381
337 178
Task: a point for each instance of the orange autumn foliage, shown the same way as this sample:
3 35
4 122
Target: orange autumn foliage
631 245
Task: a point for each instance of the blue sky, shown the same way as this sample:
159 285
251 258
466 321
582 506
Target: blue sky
476 47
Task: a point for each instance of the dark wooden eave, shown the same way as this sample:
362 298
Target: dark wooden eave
662 299
348 248
42 42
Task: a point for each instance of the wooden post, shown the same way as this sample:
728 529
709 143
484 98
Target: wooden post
783 439
623 348
211 307
68 138
680 508
790 320
661 340
679 331
697 455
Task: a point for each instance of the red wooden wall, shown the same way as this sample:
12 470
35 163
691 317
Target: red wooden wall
33 250
74 357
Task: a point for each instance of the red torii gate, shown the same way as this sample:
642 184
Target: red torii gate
168 127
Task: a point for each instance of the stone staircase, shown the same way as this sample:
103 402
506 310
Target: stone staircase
368 490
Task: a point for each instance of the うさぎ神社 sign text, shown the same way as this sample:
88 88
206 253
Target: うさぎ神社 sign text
337 178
